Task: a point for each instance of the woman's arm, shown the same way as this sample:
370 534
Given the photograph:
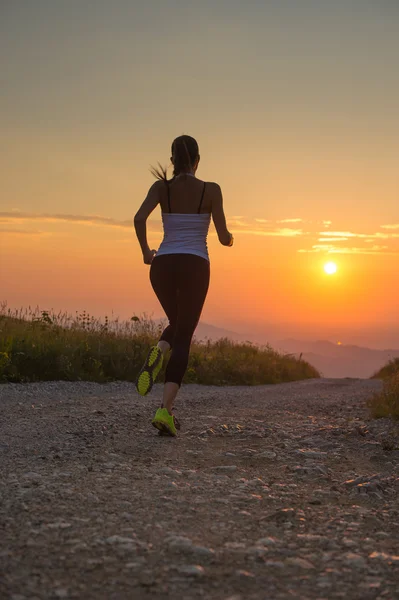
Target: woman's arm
219 219
140 221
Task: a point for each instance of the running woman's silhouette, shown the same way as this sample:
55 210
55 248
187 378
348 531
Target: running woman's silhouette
179 270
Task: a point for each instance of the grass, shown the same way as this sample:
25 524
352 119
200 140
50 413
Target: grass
391 368
38 345
386 403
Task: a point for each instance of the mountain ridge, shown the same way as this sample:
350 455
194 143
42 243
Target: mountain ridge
332 359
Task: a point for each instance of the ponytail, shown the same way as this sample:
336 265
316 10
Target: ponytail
159 172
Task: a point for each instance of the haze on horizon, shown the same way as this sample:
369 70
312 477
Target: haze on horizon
294 105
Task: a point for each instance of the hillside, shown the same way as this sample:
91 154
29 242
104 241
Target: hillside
52 347
334 360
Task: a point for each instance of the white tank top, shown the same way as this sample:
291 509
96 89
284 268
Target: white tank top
185 233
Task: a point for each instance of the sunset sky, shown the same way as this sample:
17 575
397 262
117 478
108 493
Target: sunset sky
294 104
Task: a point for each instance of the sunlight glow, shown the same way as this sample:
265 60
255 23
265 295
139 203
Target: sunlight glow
330 268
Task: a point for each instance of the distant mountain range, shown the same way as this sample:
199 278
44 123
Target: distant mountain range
331 359
339 360
211 332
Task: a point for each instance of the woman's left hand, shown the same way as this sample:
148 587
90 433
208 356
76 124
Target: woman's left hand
148 256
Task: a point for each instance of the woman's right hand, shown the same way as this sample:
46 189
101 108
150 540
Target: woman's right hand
149 256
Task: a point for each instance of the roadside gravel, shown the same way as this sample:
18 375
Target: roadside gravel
271 492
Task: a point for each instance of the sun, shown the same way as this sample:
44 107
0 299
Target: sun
330 268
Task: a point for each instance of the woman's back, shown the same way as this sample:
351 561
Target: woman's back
186 215
185 194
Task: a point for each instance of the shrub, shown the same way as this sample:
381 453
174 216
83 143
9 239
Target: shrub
388 370
386 403
41 345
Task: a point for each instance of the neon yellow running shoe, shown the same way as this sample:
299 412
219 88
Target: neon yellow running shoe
164 422
177 425
149 372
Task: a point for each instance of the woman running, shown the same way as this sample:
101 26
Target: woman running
179 270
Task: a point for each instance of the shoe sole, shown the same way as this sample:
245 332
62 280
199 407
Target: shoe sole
162 432
163 428
148 374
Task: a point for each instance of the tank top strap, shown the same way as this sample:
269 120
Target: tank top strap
168 189
202 197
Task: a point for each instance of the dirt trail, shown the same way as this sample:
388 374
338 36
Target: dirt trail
272 492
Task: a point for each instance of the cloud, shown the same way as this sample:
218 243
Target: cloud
317 248
334 239
330 249
279 232
342 234
259 227
264 227
290 221
366 236
373 250
7 217
238 222
386 236
90 220
22 232
328 241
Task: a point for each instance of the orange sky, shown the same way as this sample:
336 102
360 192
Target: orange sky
264 278
296 115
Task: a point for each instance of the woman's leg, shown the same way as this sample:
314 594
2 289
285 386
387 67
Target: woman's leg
163 345
163 283
193 287
170 391
163 279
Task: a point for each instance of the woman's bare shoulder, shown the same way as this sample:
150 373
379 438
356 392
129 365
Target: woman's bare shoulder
214 190
212 186
160 184
157 187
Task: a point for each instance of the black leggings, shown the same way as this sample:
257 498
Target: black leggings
181 283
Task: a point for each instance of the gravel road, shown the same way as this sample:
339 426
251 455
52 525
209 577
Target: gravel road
271 492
